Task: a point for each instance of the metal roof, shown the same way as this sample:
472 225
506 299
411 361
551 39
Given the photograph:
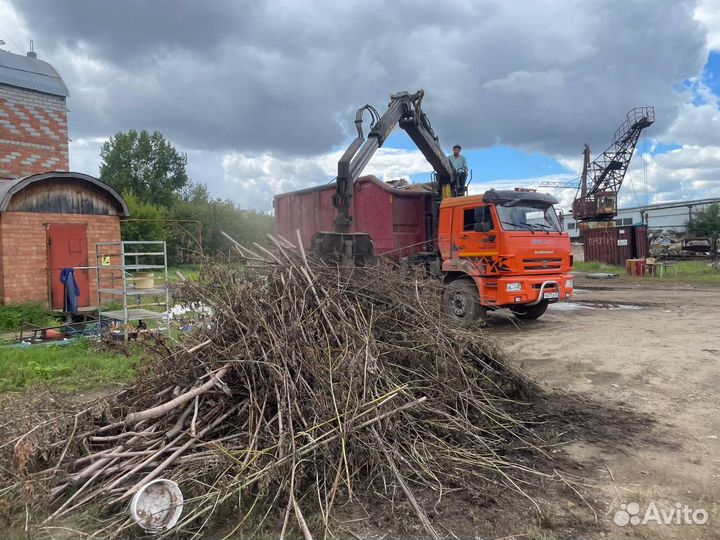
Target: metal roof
673 204
8 188
31 73
666 205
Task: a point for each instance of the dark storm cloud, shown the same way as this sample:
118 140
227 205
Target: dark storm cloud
286 76
130 31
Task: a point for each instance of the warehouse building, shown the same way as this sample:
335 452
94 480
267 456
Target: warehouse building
669 217
50 218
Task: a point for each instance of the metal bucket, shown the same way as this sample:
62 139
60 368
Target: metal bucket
157 506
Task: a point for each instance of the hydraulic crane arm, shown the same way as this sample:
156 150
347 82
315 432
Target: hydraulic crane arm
404 109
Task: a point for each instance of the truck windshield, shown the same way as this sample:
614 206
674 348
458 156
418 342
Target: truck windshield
523 216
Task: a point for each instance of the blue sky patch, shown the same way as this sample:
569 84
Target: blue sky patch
508 163
711 72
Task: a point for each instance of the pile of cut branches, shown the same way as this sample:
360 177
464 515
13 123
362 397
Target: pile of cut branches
311 386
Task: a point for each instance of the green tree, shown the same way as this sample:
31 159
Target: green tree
215 215
147 221
705 222
195 194
165 205
146 165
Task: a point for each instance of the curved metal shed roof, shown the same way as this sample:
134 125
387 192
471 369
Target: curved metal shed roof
8 188
31 73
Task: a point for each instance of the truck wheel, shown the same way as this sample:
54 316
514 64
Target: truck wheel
530 312
461 302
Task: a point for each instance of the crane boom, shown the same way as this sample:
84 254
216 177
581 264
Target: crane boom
404 109
358 248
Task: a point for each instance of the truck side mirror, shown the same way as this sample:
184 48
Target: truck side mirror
561 219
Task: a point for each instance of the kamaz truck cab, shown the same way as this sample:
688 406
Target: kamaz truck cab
503 249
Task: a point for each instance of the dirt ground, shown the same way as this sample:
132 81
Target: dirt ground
632 419
654 349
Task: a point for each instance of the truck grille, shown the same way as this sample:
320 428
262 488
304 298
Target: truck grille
542 264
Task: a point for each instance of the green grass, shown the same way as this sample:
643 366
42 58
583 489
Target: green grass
72 367
595 267
13 316
190 271
691 272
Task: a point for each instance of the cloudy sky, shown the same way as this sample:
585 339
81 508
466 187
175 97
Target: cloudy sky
261 95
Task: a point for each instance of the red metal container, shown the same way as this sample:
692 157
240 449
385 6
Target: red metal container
398 220
610 245
615 245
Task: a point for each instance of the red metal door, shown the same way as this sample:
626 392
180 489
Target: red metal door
67 248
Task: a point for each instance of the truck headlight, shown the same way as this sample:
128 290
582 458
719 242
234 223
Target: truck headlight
514 287
569 284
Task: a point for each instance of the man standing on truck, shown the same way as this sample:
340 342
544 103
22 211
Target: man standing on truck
460 164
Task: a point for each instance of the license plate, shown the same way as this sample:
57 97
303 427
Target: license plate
551 295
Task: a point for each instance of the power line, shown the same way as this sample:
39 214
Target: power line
15 43
632 185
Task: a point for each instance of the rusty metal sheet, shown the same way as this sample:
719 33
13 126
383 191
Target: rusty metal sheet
614 245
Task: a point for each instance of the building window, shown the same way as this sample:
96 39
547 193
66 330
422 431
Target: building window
571 226
627 221
618 222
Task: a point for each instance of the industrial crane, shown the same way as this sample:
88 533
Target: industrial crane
602 178
607 171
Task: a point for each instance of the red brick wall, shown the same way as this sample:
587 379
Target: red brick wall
24 254
33 132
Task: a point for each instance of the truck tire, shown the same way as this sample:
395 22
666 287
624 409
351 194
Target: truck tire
461 302
530 312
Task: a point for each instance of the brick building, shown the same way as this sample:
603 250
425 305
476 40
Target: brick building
33 117
50 218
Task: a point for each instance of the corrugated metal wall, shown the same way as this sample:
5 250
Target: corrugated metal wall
641 241
395 219
615 245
